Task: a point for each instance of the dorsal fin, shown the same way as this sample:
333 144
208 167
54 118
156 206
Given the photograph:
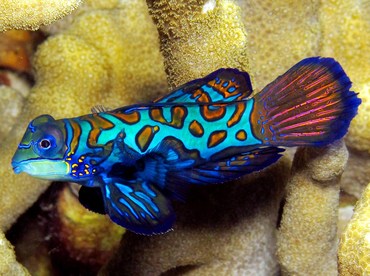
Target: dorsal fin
99 108
223 85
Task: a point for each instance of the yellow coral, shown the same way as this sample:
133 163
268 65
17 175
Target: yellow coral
354 248
8 263
116 64
280 33
306 240
346 36
31 14
198 37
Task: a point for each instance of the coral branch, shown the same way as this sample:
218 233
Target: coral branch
31 14
354 248
307 236
198 37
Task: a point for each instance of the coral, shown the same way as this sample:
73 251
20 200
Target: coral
196 38
345 212
87 5
280 33
356 176
307 235
224 229
30 15
354 248
346 36
81 236
8 263
14 50
78 69
11 103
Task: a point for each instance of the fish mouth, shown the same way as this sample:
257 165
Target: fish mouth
17 167
17 170
45 169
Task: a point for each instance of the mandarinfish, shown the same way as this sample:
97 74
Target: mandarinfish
207 131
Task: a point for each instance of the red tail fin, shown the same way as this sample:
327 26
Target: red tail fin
309 105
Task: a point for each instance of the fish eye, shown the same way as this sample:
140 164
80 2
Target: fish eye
45 143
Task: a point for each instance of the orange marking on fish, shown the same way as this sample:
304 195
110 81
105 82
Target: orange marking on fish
76 135
145 136
128 118
241 135
196 129
98 124
215 114
178 116
237 115
216 138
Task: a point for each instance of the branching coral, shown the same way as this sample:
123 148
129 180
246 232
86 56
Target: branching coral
280 33
354 248
307 236
346 36
31 14
78 69
198 37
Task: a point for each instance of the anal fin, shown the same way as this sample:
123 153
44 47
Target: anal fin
228 168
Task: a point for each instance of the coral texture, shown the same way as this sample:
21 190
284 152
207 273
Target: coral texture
196 38
223 230
354 248
280 33
11 103
8 263
31 14
307 235
78 69
346 36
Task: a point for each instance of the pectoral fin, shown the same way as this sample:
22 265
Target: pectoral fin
138 206
92 199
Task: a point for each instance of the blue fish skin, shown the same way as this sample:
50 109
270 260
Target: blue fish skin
210 130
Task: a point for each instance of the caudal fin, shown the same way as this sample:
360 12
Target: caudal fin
309 105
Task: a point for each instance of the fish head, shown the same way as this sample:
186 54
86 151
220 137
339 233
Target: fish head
41 150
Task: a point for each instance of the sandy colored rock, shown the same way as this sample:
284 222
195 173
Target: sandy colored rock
31 14
307 235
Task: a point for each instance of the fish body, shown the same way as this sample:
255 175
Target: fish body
210 130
